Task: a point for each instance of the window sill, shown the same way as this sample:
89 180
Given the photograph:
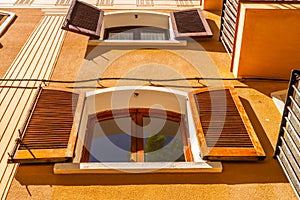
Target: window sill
150 167
146 43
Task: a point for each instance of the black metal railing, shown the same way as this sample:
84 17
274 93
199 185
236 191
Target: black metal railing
288 144
228 24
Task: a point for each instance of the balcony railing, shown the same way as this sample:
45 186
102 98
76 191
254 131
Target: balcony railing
288 145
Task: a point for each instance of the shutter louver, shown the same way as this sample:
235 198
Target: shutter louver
50 133
223 128
84 18
190 23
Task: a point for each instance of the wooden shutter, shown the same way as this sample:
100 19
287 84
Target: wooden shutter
84 18
223 128
50 133
190 23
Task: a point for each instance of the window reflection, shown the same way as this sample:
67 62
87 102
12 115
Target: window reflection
111 141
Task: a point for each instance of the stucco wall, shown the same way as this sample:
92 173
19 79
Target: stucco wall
268 41
212 4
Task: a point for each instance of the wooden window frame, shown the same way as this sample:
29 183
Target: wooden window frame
137 115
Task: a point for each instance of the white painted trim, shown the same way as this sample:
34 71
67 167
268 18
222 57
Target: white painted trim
136 11
190 122
137 167
195 146
171 30
55 11
279 100
144 43
6 23
124 88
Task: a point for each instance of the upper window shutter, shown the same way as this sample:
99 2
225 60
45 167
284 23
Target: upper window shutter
190 23
223 128
84 18
50 132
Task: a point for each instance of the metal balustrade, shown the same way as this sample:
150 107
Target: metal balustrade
288 144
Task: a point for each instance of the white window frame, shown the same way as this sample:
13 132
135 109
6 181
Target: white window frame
7 22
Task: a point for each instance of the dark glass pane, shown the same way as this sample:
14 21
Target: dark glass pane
111 141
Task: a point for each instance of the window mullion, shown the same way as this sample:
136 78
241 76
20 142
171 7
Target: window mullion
140 137
133 156
88 139
185 141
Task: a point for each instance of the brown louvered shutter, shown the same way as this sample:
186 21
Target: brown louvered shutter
223 128
50 133
84 18
190 23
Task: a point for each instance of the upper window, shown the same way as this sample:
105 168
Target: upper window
89 20
136 136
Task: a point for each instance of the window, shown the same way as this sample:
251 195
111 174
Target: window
134 135
218 129
136 33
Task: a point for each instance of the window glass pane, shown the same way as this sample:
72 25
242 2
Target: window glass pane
152 36
111 141
162 140
121 36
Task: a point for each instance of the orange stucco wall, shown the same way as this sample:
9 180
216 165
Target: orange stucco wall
212 4
268 41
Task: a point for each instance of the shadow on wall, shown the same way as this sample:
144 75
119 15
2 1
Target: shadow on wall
216 12
261 86
206 44
267 171
212 44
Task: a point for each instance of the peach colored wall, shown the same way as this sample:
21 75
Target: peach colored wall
212 4
268 41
